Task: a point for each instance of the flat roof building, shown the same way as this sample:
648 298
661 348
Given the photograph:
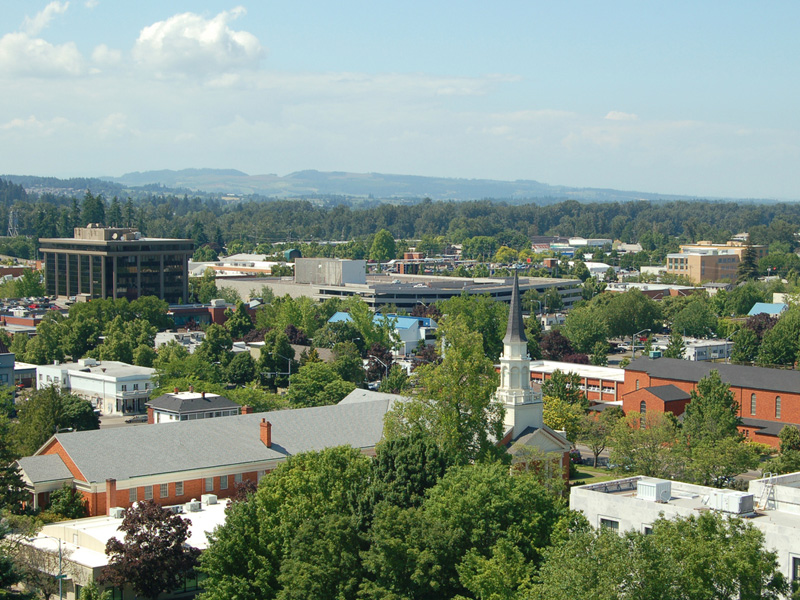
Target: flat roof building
114 262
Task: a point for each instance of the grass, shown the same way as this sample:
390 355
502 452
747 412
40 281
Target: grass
587 474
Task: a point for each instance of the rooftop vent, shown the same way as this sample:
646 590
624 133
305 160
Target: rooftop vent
208 499
729 501
654 490
116 512
192 506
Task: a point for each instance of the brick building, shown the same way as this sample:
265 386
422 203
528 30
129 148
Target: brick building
172 464
600 384
768 399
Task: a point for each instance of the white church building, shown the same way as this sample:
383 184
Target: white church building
524 421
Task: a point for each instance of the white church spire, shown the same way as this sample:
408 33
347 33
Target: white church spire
523 406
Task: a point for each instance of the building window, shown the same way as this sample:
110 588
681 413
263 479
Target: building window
777 407
132 495
610 524
643 407
163 492
795 568
135 386
637 384
648 529
752 404
237 478
124 387
148 492
179 488
116 593
209 484
223 482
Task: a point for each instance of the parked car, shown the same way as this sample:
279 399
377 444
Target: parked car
137 419
575 456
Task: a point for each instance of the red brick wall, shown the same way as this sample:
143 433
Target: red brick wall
54 447
765 400
192 488
595 396
632 403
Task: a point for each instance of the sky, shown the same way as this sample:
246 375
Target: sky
691 98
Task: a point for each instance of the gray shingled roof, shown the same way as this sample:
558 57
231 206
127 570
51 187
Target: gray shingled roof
762 378
765 427
41 469
187 402
128 452
668 393
362 395
515 332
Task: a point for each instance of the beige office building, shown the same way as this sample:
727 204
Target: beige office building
705 261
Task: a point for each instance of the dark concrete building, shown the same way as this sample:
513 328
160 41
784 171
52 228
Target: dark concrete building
107 262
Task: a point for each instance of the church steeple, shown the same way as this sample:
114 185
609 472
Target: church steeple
515 332
522 404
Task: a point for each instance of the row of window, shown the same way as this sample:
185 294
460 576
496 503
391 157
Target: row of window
777 406
163 489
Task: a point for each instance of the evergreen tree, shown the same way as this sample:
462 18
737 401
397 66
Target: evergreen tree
675 347
748 265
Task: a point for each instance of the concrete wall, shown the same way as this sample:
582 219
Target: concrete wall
328 271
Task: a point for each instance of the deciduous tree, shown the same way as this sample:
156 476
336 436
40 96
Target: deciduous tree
154 557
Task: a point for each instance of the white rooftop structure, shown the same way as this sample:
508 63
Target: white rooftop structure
772 505
83 541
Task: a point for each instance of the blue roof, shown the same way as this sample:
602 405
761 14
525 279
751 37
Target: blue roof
378 318
767 308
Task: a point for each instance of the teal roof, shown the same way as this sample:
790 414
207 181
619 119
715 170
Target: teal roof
767 308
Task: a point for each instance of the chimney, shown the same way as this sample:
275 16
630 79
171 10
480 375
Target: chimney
191 388
203 394
111 494
266 433
247 409
175 390
151 416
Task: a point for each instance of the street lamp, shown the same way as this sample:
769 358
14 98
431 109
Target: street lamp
633 341
286 358
61 576
385 366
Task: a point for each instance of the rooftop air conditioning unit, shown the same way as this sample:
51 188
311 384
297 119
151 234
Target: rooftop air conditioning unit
729 501
654 490
192 506
208 499
116 512
175 509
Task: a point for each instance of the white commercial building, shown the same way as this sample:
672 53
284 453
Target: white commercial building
113 387
772 505
82 544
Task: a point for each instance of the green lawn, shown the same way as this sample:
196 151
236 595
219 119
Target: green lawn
587 474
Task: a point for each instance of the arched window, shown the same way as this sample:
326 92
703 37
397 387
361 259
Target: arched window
643 407
637 384
752 404
777 407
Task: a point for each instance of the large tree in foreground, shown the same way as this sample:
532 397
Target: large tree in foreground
454 401
687 558
154 557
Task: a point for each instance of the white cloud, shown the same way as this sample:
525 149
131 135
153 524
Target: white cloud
23 55
616 115
91 3
188 43
33 25
34 126
103 55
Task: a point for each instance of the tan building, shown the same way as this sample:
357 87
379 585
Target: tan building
705 261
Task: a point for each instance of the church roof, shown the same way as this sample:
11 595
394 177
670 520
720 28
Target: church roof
515 332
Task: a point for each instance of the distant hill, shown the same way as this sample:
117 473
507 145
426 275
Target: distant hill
375 185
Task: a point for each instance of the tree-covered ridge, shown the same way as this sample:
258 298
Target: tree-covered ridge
252 222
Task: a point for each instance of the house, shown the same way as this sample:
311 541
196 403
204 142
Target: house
113 387
115 467
190 406
408 332
768 399
524 419
771 505
775 309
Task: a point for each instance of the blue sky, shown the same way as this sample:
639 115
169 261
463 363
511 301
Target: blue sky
692 98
